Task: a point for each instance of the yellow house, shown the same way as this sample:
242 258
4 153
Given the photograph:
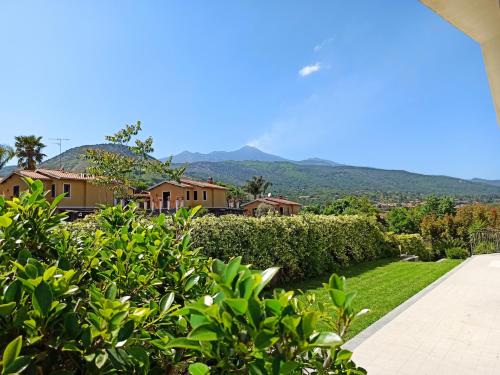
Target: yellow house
78 187
187 193
280 205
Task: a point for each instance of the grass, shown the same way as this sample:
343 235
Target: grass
381 285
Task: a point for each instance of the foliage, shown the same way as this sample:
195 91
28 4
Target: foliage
29 151
302 246
349 205
402 220
134 295
264 209
413 244
122 172
485 248
257 186
457 253
438 206
6 154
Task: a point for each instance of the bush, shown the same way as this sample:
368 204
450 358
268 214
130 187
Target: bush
302 246
457 253
413 244
485 248
134 296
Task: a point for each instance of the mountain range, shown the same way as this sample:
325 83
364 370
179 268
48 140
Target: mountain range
244 153
310 180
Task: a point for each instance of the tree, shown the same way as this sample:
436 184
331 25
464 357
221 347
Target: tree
350 205
402 220
236 194
122 172
439 206
257 186
6 153
29 151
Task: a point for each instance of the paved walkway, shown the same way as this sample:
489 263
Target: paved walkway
453 327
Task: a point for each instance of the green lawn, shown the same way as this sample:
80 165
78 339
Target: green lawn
381 285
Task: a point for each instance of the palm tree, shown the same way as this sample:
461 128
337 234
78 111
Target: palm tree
236 195
257 186
29 151
6 153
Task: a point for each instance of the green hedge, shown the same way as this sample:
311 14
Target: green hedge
412 244
303 246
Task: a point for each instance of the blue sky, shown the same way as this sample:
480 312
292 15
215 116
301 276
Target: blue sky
386 84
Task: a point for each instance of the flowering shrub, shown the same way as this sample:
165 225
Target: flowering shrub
134 296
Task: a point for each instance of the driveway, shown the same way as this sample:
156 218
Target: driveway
451 327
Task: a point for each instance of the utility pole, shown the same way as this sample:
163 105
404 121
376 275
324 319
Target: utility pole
59 142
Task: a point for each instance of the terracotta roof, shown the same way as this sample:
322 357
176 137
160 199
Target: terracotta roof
53 173
202 184
31 174
187 183
273 201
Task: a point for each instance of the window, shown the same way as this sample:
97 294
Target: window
204 195
53 191
187 195
282 211
15 191
67 190
195 195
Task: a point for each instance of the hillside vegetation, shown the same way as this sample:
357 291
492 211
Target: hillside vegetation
308 183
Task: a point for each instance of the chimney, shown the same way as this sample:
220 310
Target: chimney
210 180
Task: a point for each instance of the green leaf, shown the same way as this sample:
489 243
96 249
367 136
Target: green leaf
267 275
238 305
19 365
49 272
203 333
31 271
309 321
118 317
198 369
338 297
192 281
5 221
7 308
42 298
231 270
111 291
13 292
183 343
327 340
166 301
12 351
126 331
265 340
100 359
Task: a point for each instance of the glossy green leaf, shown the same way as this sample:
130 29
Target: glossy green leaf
327 340
12 351
13 292
166 302
7 308
101 359
42 298
111 291
183 343
238 305
267 275
203 333
18 365
198 369
5 221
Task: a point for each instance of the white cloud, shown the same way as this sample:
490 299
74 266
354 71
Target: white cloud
309 69
323 44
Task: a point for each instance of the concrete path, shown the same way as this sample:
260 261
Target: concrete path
452 327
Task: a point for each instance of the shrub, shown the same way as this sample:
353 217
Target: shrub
134 296
413 244
485 248
457 253
302 246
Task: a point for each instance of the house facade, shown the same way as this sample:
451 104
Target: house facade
280 205
186 193
79 190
